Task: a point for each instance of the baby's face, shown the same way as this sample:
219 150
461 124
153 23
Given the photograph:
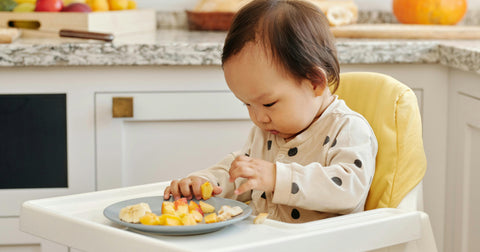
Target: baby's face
276 102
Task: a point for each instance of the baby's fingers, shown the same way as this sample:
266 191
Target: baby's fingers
247 186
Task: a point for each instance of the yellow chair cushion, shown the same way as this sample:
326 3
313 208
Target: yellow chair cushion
391 109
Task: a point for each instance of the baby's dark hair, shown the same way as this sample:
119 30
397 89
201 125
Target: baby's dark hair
297 34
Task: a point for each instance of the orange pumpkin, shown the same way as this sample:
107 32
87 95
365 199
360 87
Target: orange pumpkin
442 12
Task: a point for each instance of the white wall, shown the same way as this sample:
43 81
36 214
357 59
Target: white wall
177 5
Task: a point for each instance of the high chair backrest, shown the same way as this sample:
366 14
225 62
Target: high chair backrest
391 109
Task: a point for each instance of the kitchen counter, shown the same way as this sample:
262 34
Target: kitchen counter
183 47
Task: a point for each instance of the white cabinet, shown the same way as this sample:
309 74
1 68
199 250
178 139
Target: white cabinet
170 135
463 220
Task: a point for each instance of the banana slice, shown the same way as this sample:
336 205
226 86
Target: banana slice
227 212
338 15
133 213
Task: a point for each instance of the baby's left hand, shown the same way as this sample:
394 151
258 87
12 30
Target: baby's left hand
260 174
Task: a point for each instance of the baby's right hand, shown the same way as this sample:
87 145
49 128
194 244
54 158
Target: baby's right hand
187 187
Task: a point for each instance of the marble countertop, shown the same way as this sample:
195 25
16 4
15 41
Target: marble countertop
183 47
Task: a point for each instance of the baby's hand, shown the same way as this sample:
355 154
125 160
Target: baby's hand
187 187
260 174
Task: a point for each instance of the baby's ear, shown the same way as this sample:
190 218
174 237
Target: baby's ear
319 81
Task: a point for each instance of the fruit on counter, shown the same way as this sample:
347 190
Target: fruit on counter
441 12
77 7
49 5
7 5
207 190
133 213
24 7
118 4
67 2
131 5
98 5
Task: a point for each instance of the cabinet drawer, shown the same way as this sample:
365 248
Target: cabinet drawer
169 135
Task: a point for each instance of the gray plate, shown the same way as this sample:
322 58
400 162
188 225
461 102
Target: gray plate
112 211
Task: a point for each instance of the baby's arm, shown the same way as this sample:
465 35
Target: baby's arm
342 184
218 175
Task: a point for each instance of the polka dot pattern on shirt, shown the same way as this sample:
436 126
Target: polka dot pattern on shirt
269 144
327 139
295 188
292 152
337 181
358 163
334 142
295 214
264 195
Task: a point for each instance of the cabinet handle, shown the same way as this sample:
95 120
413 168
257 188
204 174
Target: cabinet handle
122 107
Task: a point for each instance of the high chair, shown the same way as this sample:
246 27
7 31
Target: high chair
391 109
393 220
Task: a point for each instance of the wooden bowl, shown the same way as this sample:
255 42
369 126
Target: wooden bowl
209 21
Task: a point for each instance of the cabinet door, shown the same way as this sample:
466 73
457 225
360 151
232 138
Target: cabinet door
169 135
38 151
465 172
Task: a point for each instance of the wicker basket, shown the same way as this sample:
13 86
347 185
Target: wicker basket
209 21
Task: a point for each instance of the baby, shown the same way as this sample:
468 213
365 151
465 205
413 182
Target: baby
309 156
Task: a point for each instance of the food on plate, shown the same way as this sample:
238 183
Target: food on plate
192 206
150 219
206 208
180 212
181 207
211 218
188 220
260 219
227 212
207 190
133 213
168 208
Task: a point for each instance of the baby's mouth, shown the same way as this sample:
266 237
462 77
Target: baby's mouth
274 132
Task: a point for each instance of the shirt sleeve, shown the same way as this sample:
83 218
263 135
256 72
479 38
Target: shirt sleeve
219 173
339 186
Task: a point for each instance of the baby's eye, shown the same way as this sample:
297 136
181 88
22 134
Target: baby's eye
246 104
269 104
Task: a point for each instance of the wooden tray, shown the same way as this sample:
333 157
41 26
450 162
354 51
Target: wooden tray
403 31
116 22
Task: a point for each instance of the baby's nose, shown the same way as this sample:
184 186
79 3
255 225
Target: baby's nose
261 116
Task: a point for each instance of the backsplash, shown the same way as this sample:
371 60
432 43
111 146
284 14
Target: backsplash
178 19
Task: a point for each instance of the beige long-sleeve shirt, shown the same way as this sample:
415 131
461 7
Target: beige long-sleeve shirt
324 171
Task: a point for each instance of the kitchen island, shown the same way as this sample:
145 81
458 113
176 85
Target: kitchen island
175 81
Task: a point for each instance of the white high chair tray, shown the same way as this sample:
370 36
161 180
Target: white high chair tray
77 221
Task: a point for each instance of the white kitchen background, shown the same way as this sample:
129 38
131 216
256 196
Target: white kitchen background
178 5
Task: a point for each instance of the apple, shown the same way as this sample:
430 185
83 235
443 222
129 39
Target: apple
77 7
49 5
